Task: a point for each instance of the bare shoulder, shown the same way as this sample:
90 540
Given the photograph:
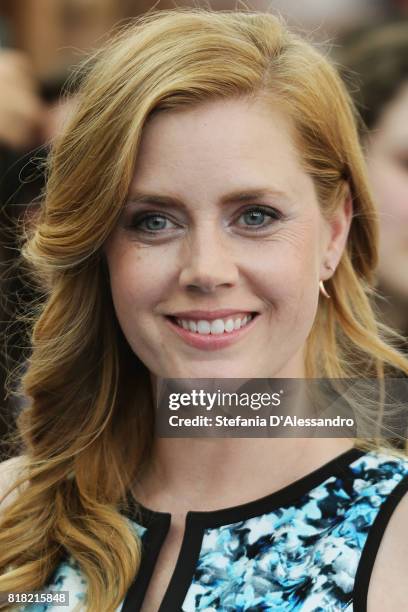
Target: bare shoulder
388 589
10 471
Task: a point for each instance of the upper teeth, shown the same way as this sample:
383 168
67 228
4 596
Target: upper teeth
218 326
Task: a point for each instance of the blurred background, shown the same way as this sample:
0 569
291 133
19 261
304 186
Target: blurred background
41 41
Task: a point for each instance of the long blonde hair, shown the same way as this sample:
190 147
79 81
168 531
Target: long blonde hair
88 428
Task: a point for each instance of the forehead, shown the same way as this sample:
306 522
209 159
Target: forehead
218 145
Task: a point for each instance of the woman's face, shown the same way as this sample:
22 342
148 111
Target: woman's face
387 161
221 217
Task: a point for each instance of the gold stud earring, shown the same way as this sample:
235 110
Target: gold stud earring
323 290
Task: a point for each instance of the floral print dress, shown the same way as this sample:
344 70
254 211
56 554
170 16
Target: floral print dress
309 547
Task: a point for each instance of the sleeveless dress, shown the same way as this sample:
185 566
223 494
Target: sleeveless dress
308 547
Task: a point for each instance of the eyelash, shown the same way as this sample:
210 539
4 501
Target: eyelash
272 213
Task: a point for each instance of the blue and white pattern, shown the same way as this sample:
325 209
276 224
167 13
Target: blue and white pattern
68 577
300 557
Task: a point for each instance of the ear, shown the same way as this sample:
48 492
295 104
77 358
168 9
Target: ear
338 227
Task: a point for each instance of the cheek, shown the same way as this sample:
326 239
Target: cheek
138 277
293 257
285 272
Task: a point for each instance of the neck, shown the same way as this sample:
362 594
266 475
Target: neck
205 474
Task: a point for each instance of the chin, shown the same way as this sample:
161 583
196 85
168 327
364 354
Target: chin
214 370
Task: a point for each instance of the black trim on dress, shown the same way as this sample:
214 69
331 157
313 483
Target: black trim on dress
185 567
152 541
291 493
372 544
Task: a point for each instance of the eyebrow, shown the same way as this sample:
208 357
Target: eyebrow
240 196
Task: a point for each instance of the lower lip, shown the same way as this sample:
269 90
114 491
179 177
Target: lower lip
211 342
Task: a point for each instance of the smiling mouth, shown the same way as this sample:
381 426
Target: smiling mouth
216 327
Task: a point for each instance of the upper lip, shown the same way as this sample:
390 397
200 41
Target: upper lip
210 315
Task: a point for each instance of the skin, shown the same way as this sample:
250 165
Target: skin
387 161
208 257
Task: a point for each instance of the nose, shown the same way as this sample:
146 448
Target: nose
208 263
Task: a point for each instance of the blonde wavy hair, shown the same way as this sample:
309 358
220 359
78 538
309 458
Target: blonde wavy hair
88 428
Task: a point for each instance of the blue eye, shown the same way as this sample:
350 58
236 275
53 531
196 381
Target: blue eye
150 223
255 216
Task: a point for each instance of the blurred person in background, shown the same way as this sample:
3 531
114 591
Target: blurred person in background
40 43
375 65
